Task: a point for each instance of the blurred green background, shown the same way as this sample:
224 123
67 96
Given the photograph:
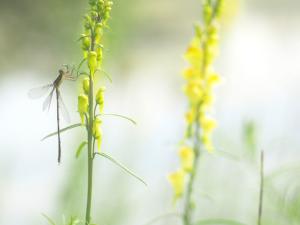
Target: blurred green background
257 107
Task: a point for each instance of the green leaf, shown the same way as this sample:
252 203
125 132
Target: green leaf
80 65
107 75
73 221
163 216
118 115
62 130
79 149
218 222
121 166
50 221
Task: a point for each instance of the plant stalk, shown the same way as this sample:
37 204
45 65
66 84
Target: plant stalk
188 208
261 189
90 143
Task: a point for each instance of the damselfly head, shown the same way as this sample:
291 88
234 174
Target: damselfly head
61 72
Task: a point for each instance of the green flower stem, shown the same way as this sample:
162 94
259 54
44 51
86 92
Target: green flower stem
90 143
89 152
188 207
261 191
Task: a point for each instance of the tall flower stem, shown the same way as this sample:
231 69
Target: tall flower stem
261 188
187 214
90 156
90 151
188 205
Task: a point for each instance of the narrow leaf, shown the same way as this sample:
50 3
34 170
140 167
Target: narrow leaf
218 222
62 130
79 149
107 75
121 166
163 216
118 115
50 221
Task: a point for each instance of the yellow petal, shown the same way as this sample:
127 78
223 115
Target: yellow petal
186 155
176 180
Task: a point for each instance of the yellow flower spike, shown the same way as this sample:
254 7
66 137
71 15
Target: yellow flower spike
176 180
92 62
83 103
186 155
100 98
86 85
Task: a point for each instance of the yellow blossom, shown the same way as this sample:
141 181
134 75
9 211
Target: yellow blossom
92 62
194 90
186 155
176 180
207 124
190 116
206 141
86 85
100 98
97 132
83 103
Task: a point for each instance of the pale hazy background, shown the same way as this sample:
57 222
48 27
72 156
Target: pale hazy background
259 63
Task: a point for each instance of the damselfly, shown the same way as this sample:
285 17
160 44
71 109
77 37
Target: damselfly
60 106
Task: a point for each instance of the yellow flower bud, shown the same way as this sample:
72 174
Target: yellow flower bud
100 98
83 103
92 62
207 124
206 141
96 128
213 79
194 90
86 42
86 85
99 55
176 180
85 54
97 132
190 116
186 155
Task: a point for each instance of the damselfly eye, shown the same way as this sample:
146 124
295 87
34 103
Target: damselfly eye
61 71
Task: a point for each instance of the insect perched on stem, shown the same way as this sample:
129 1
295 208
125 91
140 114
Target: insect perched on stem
60 106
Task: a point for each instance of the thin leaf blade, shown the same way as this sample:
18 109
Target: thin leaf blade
62 130
80 148
121 166
120 116
50 221
218 222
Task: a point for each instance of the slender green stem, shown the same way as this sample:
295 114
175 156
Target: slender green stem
90 157
90 144
188 208
261 189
